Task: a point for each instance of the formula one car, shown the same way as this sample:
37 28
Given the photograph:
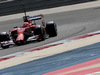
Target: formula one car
34 28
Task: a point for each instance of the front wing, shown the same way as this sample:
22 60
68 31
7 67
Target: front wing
10 42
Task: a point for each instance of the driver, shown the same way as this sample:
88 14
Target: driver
27 23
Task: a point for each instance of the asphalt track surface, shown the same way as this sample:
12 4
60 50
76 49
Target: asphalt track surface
70 24
55 62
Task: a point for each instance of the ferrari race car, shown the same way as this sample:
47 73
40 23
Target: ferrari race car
33 28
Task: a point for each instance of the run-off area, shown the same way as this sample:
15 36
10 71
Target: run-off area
55 62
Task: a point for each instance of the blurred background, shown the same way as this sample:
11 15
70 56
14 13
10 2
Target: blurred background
17 6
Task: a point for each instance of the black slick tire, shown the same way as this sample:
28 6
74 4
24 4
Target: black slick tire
38 30
51 28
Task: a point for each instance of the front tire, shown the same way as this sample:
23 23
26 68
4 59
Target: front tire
4 47
4 36
38 30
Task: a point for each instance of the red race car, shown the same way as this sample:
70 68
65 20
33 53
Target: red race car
33 28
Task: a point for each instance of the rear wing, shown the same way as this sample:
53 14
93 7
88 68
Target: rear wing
31 18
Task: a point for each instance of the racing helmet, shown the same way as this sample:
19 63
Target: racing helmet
25 24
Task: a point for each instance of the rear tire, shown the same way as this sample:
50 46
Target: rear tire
51 28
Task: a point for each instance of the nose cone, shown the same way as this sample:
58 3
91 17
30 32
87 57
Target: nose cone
19 42
20 39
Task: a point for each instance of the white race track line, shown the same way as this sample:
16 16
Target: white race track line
53 10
